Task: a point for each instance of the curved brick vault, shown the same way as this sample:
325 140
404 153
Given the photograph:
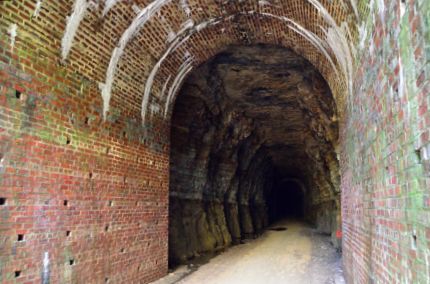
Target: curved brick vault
155 45
87 89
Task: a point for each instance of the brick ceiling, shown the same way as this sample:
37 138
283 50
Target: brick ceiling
139 52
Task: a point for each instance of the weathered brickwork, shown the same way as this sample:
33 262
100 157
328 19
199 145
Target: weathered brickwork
81 201
385 183
90 196
85 200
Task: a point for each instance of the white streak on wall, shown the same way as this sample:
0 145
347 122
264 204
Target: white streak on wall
339 46
401 88
155 108
362 31
150 80
264 3
188 24
170 36
170 33
371 5
371 47
355 9
187 28
165 86
79 11
45 272
337 40
381 9
186 7
402 11
1 163
13 32
162 94
187 54
108 5
184 69
342 50
323 12
317 42
136 8
132 30
210 22
427 264
37 9
311 37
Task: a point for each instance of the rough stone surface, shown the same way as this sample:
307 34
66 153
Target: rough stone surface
243 121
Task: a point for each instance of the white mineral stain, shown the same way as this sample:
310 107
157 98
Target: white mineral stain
402 11
381 9
336 39
155 108
165 86
401 88
109 4
315 40
141 19
136 8
362 30
187 29
45 272
185 7
13 32
37 9
79 11
184 69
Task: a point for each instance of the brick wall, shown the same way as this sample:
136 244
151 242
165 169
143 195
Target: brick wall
55 146
81 200
385 183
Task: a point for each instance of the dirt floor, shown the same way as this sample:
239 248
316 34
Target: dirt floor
295 255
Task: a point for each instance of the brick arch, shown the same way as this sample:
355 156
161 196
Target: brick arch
198 41
147 46
56 148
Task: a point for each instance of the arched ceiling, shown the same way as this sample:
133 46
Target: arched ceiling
141 51
249 103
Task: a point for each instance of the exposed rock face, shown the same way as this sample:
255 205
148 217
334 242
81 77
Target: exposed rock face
244 122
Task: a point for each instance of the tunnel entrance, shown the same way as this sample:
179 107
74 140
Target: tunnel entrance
246 126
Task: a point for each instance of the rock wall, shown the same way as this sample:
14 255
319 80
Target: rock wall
242 122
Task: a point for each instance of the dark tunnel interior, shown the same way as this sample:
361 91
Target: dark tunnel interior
286 200
253 140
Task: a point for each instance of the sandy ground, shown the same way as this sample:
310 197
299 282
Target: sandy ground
295 255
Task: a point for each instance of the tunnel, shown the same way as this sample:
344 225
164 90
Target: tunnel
286 200
141 134
253 138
